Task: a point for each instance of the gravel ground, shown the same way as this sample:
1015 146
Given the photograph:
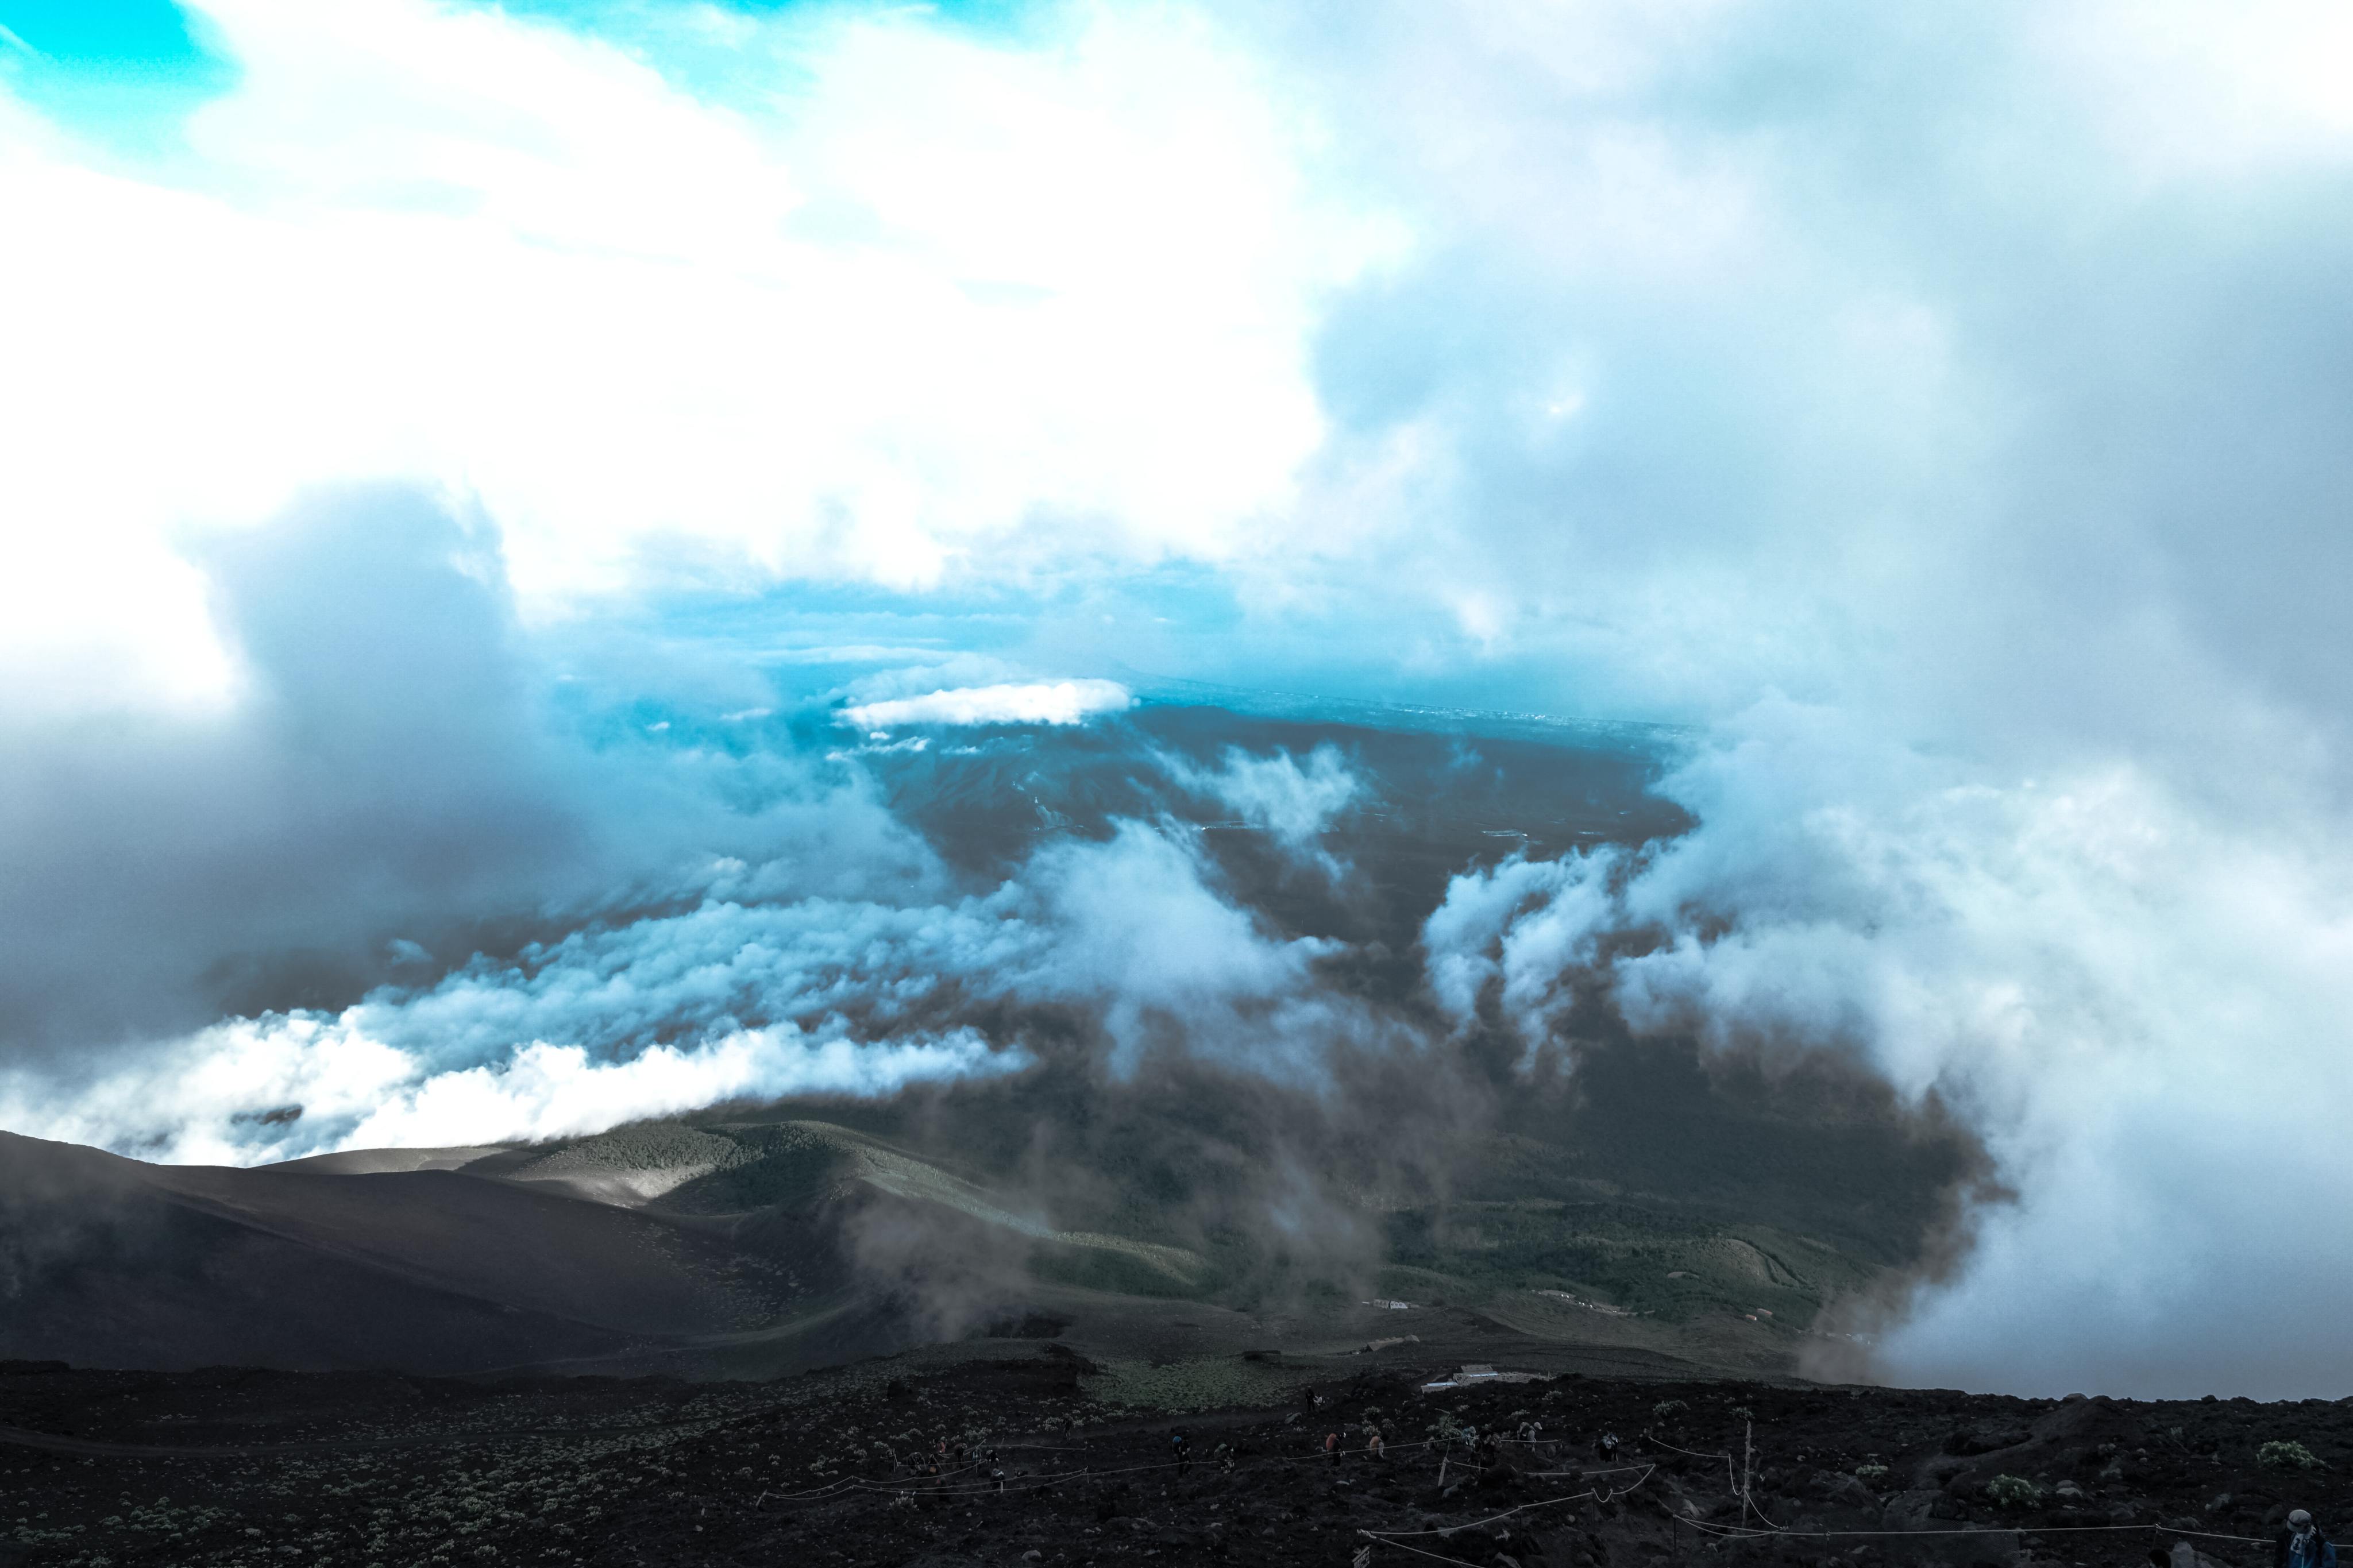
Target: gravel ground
1012 1457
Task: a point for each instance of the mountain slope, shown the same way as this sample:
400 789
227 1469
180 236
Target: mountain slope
1652 1215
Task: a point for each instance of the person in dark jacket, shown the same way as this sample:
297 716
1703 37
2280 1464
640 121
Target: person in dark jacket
2301 1545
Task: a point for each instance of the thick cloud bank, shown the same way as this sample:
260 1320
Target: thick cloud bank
1940 416
2143 1016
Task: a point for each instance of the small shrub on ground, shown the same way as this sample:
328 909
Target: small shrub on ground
2281 1455
2013 1491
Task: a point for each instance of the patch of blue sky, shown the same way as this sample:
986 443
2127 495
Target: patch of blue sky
744 53
1054 626
739 673
125 74
996 18
121 73
1158 628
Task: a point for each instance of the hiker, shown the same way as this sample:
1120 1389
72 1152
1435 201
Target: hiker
1373 1444
1607 1447
1224 1454
1332 1447
998 1474
2301 1545
1183 1449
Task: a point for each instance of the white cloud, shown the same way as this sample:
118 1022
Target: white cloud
1294 805
203 1100
1033 702
551 1091
922 307
735 999
1170 966
2139 1008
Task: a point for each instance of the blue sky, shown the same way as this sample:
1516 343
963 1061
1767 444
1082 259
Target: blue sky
1935 416
116 37
123 72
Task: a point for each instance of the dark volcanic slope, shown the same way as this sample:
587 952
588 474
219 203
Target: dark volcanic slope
242 1469
109 1261
1646 1213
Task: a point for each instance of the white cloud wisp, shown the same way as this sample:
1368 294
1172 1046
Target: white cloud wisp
1030 702
737 1000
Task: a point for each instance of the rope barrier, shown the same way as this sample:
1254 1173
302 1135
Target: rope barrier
1600 1495
848 1484
928 1486
1743 1533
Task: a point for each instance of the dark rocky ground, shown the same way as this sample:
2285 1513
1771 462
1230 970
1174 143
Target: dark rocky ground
252 1467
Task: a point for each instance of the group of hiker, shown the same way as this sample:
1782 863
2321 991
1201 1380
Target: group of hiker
1485 1448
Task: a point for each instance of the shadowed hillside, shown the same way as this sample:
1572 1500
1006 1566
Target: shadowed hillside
1646 1207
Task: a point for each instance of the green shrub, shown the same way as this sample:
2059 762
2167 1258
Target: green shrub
2281 1455
1666 1408
2013 1491
1870 1475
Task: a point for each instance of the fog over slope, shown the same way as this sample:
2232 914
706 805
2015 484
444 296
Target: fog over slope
856 548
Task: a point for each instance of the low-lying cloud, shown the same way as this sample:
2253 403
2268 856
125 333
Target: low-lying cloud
399 785
1025 702
1121 946
2139 1012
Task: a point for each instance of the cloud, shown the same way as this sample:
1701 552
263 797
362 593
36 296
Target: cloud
1292 804
252 1089
2135 1010
1933 418
1121 946
1172 966
1524 928
397 777
1033 702
885 317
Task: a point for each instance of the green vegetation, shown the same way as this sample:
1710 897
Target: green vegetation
2013 1492
2283 1455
